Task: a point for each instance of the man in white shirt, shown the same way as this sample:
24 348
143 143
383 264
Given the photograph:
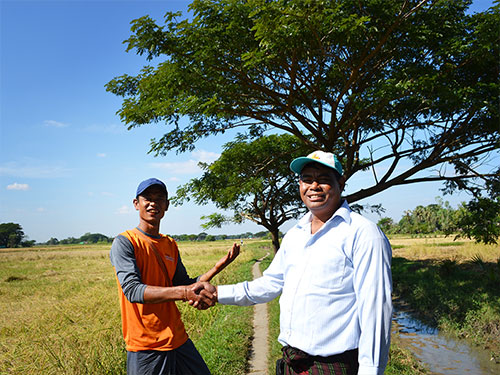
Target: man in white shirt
333 271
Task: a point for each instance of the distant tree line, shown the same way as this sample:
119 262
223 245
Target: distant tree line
478 219
86 238
209 237
12 235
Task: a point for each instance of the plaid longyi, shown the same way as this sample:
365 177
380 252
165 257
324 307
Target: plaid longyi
298 362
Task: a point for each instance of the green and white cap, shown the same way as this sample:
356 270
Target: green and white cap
325 158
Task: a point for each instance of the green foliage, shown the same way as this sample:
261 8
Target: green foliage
418 77
386 224
402 362
253 180
28 243
11 235
87 238
52 241
434 218
429 219
480 218
94 238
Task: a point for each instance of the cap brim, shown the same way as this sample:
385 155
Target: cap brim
297 164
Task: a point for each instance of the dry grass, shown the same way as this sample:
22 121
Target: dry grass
441 248
60 309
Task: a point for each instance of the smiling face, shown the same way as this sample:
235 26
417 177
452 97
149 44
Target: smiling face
151 204
320 190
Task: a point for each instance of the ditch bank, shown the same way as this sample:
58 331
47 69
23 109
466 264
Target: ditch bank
439 353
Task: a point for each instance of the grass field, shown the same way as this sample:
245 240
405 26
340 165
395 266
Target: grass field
61 313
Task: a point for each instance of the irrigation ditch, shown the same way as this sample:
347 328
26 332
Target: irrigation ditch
439 353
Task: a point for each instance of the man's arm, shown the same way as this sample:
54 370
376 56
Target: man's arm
261 290
182 278
222 263
373 287
201 293
122 257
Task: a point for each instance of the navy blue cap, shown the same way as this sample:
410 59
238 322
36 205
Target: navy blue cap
150 182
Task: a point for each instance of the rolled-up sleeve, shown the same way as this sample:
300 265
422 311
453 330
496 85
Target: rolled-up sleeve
122 258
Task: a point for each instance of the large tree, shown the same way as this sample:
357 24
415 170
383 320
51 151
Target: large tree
252 179
406 88
11 235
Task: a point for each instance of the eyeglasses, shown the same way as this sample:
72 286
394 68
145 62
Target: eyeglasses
321 180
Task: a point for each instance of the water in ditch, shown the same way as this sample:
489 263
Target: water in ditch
440 354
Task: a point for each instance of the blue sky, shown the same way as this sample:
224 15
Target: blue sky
67 164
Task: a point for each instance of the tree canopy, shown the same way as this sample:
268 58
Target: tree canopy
405 88
11 235
480 218
253 179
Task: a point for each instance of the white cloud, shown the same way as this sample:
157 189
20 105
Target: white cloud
182 167
189 166
41 209
101 155
16 186
32 168
125 210
205 156
55 124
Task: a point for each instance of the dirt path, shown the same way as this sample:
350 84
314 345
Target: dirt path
258 357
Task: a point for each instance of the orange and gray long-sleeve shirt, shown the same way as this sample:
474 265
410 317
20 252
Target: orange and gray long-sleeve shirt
148 326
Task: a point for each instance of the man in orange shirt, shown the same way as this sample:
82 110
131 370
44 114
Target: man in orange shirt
151 277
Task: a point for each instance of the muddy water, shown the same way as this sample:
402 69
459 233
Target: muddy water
441 355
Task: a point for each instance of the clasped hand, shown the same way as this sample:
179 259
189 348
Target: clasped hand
202 295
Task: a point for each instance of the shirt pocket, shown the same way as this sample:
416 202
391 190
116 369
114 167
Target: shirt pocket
327 267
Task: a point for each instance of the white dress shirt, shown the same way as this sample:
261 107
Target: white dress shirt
335 289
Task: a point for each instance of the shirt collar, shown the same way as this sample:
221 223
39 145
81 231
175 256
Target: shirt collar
149 235
344 212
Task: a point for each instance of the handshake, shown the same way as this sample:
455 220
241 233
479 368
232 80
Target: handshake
201 295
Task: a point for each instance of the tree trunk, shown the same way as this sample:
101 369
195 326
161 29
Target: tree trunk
275 239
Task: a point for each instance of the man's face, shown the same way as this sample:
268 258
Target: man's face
320 190
152 204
